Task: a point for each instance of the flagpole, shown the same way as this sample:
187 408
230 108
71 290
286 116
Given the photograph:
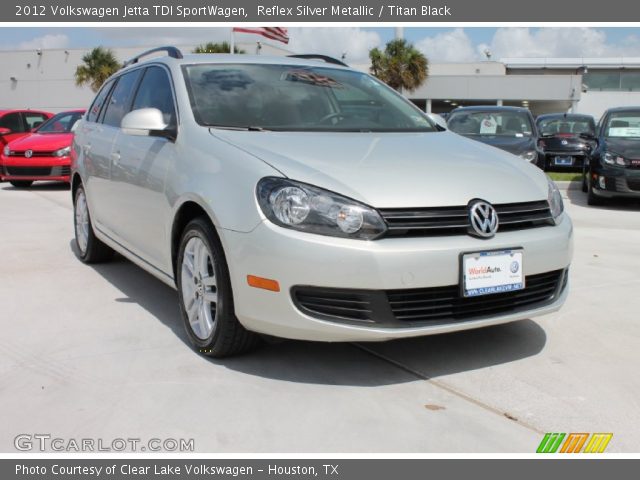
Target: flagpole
233 42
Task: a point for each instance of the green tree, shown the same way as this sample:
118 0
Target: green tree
211 47
98 65
400 65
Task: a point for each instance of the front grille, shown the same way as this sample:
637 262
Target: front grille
437 304
424 306
21 153
434 221
29 171
633 184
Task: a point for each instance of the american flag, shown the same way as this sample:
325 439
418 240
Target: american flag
274 33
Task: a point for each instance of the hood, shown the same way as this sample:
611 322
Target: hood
43 142
515 145
627 147
396 170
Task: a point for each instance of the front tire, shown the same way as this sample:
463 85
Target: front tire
21 183
206 298
592 198
90 248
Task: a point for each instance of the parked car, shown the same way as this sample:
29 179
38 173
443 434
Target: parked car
18 123
42 155
614 168
567 140
508 128
307 200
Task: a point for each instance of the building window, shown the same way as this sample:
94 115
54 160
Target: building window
631 81
605 81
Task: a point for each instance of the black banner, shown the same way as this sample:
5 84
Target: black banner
282 11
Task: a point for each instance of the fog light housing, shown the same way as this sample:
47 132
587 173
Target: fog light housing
602 183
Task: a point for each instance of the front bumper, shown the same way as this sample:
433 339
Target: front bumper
295 258
35 168
618 182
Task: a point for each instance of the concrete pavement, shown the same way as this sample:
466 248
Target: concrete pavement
100 352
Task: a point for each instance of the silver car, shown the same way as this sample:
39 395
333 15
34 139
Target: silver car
302 199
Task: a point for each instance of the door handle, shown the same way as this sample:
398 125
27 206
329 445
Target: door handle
87 149
115 156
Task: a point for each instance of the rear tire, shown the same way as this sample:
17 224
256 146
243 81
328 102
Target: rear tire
90 248
21 183
206 298
585 188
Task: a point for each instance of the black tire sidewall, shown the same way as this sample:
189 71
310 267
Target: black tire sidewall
224 308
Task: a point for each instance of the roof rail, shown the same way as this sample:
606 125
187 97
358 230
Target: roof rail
314 56
173 52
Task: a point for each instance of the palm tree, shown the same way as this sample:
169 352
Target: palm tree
211 47
98 65
400 65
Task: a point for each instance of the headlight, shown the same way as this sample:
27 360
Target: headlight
63 152
555 200
530 156
6 151
611 158
311 209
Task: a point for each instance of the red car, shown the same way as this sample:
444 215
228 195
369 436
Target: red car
43 155
18 123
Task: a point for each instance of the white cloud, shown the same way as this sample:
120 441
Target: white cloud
448 46
334 41
456 45
45 41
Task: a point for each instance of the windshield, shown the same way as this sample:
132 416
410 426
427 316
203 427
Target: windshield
297 98
566 125
623 125
60 123
505 123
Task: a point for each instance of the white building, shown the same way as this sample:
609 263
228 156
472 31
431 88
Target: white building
545 85
45 80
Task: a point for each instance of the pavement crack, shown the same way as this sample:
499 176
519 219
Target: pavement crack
448 388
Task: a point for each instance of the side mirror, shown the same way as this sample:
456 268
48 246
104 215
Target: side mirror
438 120
146 122
5 131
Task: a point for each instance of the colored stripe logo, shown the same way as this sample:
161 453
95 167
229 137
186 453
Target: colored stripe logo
574 443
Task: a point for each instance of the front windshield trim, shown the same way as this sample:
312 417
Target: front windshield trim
429 125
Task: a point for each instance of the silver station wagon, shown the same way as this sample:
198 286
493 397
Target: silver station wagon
299 198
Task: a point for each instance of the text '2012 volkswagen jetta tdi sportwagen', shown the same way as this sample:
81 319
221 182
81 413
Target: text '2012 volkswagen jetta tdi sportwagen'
307 200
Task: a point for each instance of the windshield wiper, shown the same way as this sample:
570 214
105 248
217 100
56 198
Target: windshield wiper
249 128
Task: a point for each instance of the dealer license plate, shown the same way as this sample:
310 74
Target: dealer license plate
564 161
486 273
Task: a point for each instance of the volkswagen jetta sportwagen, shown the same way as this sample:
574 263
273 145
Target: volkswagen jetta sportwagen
307 200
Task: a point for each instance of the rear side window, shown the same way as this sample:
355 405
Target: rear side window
12 121
120 100
34 120
155 92
96 106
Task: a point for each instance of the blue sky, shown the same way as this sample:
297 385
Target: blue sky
440 44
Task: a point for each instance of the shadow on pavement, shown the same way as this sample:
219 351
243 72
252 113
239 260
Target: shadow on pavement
38 186
578 197
338 363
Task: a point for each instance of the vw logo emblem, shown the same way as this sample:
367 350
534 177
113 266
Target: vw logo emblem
564 142
483 219
28 153
514 267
